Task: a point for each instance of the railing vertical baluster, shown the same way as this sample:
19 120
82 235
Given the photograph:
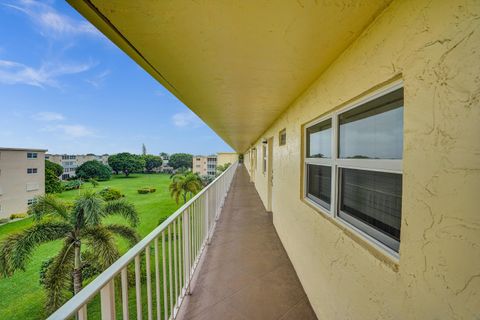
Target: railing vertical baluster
195 232
170 277
157 281
149 283
180 265
165 305
107 301
186 249
82 313
124 281
138 286
175 266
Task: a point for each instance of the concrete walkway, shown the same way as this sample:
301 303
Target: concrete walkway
246 273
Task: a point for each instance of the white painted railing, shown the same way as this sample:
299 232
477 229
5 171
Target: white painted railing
163 263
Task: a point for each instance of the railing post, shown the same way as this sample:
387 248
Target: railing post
107 299
186 249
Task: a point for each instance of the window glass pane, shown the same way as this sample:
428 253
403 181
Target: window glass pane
319 140
373 130
375 198
319 184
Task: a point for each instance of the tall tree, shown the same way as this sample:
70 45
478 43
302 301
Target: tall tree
180 160
126 162
93 169
183 185
54 167
81 228
152 162
164 155
223 167
52 172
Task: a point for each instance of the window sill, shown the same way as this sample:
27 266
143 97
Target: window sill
388 259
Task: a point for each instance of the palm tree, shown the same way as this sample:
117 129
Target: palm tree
81 227
184 184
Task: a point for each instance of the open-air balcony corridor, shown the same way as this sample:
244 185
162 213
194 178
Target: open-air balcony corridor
246 273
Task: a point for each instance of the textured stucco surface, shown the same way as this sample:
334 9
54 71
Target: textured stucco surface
435 47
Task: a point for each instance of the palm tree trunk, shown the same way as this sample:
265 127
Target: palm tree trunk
77 271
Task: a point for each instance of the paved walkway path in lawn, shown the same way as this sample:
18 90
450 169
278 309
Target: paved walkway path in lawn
246 273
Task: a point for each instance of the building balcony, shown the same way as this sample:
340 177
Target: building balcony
217 257
246 273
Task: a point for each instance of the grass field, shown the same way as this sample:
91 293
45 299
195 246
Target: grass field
22 297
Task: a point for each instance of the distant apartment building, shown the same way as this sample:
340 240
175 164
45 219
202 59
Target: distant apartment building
207 165
22 178
70 162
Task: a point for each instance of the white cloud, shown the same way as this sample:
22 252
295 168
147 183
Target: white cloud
49 22
184 119
72 131
48 116
98 80
47 74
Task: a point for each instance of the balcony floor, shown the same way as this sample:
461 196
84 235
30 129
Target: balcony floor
246 273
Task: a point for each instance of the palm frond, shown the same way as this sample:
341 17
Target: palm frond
88 209
48 205
16 249
122 208
125 232
100 240
58 277
176 190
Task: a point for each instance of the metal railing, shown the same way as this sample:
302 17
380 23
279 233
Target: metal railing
161 266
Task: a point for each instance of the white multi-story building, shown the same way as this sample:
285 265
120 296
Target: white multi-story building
70 162
22 178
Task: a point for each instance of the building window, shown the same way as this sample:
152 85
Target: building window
32 170
31 201
353 166
282 137
32 155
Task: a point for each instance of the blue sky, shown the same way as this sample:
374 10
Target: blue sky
67 88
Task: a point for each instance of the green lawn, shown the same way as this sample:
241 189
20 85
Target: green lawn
22 297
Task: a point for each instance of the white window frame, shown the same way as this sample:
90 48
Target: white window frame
380 165
33 170
32 155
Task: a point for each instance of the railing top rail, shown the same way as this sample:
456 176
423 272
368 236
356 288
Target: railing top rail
76 302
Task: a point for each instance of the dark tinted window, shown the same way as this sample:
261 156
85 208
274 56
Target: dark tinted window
319 184
374 198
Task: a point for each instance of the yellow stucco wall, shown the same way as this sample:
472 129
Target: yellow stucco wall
226 157
435 47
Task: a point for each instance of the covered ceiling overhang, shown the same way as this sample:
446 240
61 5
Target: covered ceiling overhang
237 64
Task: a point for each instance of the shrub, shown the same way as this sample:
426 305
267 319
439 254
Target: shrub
143 191
18 216
152 190
109 194
73 184
4 220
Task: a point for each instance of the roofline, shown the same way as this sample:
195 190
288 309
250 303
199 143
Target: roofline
22 149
